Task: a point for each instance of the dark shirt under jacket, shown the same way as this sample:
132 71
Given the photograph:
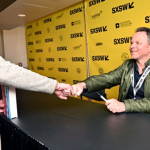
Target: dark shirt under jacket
140 92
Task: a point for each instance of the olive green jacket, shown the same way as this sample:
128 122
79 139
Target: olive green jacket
121 76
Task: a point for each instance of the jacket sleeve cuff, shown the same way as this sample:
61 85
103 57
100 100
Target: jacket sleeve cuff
88 85
127 106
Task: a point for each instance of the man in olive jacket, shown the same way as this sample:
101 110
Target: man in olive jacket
133 77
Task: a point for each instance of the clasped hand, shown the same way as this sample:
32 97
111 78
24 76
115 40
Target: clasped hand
115 106
65 90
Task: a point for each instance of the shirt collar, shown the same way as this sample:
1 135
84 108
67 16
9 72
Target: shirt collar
135 66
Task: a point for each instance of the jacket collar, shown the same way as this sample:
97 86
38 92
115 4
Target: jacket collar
147 63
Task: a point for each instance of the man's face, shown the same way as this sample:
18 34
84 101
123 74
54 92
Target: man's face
140 49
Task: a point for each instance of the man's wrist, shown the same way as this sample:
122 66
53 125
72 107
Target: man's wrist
83 85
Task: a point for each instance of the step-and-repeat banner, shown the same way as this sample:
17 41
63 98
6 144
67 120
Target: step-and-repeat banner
56 44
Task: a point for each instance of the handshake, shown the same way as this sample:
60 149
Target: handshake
64 90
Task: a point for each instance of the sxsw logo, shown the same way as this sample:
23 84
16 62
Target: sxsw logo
78 59
97 15
77 47
62 48
48 30
78 70
38 41
61 38
123 7
50 69
49 49
77 22
40 68
59 16
99 44
47 20
100 58
40 59
39 50
94 2
98 29
147 19
61 59
50 59
123 24
63 70
125 56
117 25
49 40
30 34
30 26
62 26
100 70
77 10
63 80
76 35
38 32
30 43
124 40
31 59
52 78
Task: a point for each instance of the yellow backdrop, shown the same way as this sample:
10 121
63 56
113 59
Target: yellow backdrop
58 45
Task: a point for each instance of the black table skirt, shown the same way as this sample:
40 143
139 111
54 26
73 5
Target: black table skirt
13 138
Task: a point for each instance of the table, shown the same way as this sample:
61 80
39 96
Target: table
46 122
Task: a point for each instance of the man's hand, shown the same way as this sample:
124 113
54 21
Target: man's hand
1 106
115 106
62 90
77 89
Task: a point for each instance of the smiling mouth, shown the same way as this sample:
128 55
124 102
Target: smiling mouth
132 52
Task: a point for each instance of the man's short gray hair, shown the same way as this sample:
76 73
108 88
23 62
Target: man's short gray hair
144 29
